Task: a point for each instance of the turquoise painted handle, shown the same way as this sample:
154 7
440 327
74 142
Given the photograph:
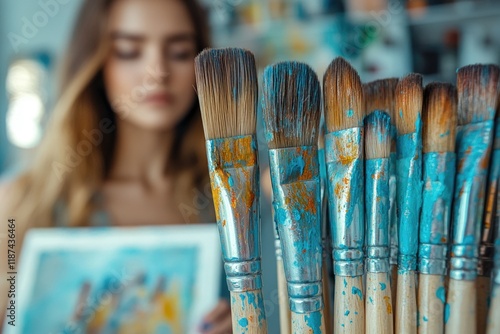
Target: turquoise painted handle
247 311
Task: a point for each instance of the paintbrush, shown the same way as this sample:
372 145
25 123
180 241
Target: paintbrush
291 109
488 233
408 105
477 100
439 133
227 89
379 95
378 302
493 321
325 231
344 154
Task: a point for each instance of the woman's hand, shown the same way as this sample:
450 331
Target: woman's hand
218 321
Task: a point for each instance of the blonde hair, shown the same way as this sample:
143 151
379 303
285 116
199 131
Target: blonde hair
57 173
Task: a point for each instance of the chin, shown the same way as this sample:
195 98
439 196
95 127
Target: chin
156 120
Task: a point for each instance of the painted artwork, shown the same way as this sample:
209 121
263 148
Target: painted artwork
144 280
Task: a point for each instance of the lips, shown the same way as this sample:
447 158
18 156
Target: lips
158 98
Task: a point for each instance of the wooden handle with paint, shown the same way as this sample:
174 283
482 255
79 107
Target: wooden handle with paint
494 313
349 308
483 293
462 307
326 299
431 300
247 312
311 323
378 302
285 317
406 303
394 288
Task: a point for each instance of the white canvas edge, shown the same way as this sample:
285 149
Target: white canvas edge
205 237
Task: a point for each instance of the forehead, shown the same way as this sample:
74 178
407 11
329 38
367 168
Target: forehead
150 18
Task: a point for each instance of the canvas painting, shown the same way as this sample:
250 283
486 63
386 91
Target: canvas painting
118 280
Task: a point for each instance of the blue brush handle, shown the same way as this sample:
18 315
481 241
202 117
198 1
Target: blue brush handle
377 215
439 178
409 195
344 162
297 206
473 155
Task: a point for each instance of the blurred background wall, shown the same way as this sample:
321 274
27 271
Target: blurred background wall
381 38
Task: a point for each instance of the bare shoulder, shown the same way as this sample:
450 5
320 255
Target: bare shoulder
6 187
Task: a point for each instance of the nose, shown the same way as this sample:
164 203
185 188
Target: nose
158 66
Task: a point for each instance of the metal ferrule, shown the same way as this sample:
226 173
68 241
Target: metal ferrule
473 152
488 230
377 215
393 220
439 178
409 195
344 164
297 206
234 176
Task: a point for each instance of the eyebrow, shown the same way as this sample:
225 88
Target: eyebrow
180 37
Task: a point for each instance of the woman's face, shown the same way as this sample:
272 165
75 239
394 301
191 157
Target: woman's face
149 73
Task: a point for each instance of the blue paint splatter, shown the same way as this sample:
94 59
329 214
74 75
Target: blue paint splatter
356 291
441 294
243 322
345 283
346 313
446 313
445 134
370 299
243 297
425 319
382 286
313 321
350 113
343 293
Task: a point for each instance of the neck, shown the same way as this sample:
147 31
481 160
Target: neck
140 154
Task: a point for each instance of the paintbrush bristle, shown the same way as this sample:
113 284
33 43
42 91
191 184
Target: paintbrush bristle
343 96
379 95
408 103
226 81
477 87
291 105
439 116
377 135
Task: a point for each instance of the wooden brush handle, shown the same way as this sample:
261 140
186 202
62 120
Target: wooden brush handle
285 317
378 301
431 300
483 293
247 312
394 288
311 323
326 299
462 307
494 313
406 303
349 308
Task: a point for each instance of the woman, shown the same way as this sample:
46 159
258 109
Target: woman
125 145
